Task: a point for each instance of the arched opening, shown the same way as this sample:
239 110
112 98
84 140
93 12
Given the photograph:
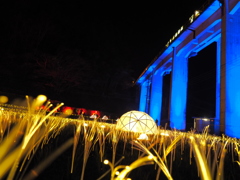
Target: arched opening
165 100
201 98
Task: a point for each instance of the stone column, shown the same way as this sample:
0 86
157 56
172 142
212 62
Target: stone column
143 96
230 71
178 92
156 96
218 72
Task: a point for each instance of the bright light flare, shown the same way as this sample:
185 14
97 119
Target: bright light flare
67 110
143 137
105 161
41 98
3 99
150 157
164 134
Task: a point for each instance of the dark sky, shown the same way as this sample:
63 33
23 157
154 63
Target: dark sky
122 33
135 32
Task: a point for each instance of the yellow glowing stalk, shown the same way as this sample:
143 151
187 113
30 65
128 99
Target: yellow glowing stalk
111 166
7 163
37 170
159 162
8 142
28 139
221 164
111 169
238 162
140 162
171 146
201 161
75 143
101 141
36 138
89 133
115 138
36 129
36 126
11 160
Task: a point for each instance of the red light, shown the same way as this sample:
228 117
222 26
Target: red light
98 113
80 111
67 110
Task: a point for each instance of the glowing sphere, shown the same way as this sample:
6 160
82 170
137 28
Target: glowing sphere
42 98
3 99
137 121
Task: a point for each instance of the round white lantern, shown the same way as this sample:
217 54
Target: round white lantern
137 121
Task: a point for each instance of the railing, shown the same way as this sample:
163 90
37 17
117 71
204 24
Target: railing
190 21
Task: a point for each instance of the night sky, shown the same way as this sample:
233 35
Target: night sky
100 43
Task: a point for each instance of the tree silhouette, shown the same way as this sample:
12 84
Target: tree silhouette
46 51
58 73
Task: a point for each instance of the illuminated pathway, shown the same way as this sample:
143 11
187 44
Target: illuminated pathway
217 22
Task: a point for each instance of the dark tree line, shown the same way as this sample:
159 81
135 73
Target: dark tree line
44 53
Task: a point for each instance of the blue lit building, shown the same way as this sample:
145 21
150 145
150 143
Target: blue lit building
218 22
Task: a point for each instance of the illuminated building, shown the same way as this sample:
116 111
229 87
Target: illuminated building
218 22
